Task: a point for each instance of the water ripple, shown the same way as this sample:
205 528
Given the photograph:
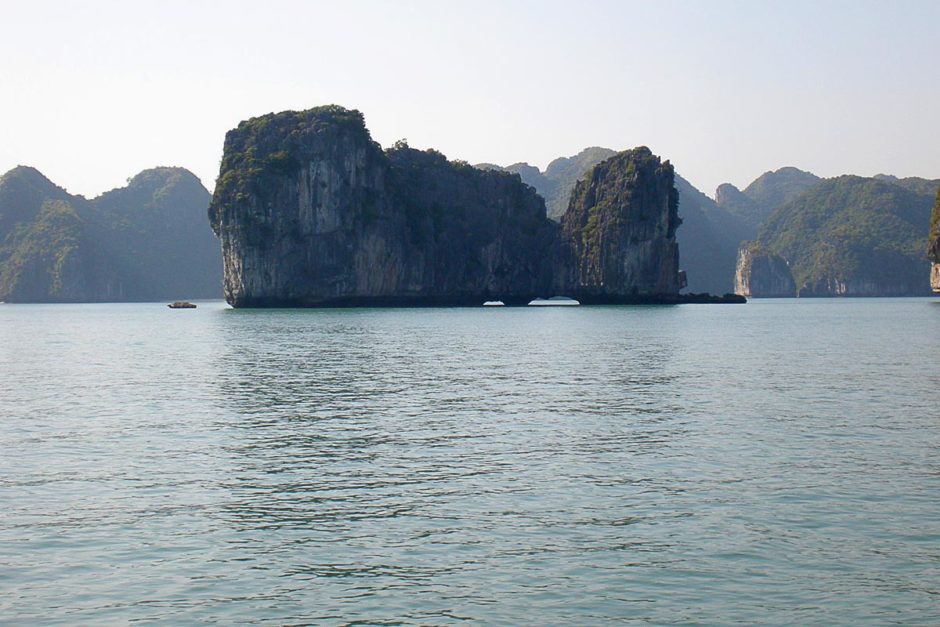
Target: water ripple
692 464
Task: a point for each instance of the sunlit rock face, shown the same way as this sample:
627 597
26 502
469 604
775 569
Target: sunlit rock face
760 273
933 251
312 212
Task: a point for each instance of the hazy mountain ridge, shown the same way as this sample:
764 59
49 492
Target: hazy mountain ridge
148 240
754 204
708 240
559 178
916 184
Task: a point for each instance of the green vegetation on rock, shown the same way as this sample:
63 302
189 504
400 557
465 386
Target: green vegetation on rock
771 189
852 236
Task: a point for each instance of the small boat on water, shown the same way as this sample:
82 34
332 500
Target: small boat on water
494 303
554 301
181 304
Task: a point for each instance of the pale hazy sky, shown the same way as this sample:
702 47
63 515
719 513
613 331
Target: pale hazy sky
95 91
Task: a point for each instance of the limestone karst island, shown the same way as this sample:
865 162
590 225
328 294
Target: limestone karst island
312 212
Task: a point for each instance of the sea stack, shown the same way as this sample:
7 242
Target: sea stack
312 212
620 227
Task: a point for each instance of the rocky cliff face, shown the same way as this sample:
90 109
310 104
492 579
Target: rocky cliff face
933 245
470 232
709 236
620 227
312 212
293 193
760 273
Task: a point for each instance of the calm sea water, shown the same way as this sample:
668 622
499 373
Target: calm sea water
777 462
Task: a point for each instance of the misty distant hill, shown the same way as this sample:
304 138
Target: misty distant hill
871 244
559 178
708 240
756 202
149 240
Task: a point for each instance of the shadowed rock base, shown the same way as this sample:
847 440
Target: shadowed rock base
477 301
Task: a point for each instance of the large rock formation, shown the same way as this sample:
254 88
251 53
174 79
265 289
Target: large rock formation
709 236
621 229
145 241
846 236
312 212
762 273
933 247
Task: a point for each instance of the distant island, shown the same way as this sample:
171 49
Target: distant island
312 212
147 241
845 236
